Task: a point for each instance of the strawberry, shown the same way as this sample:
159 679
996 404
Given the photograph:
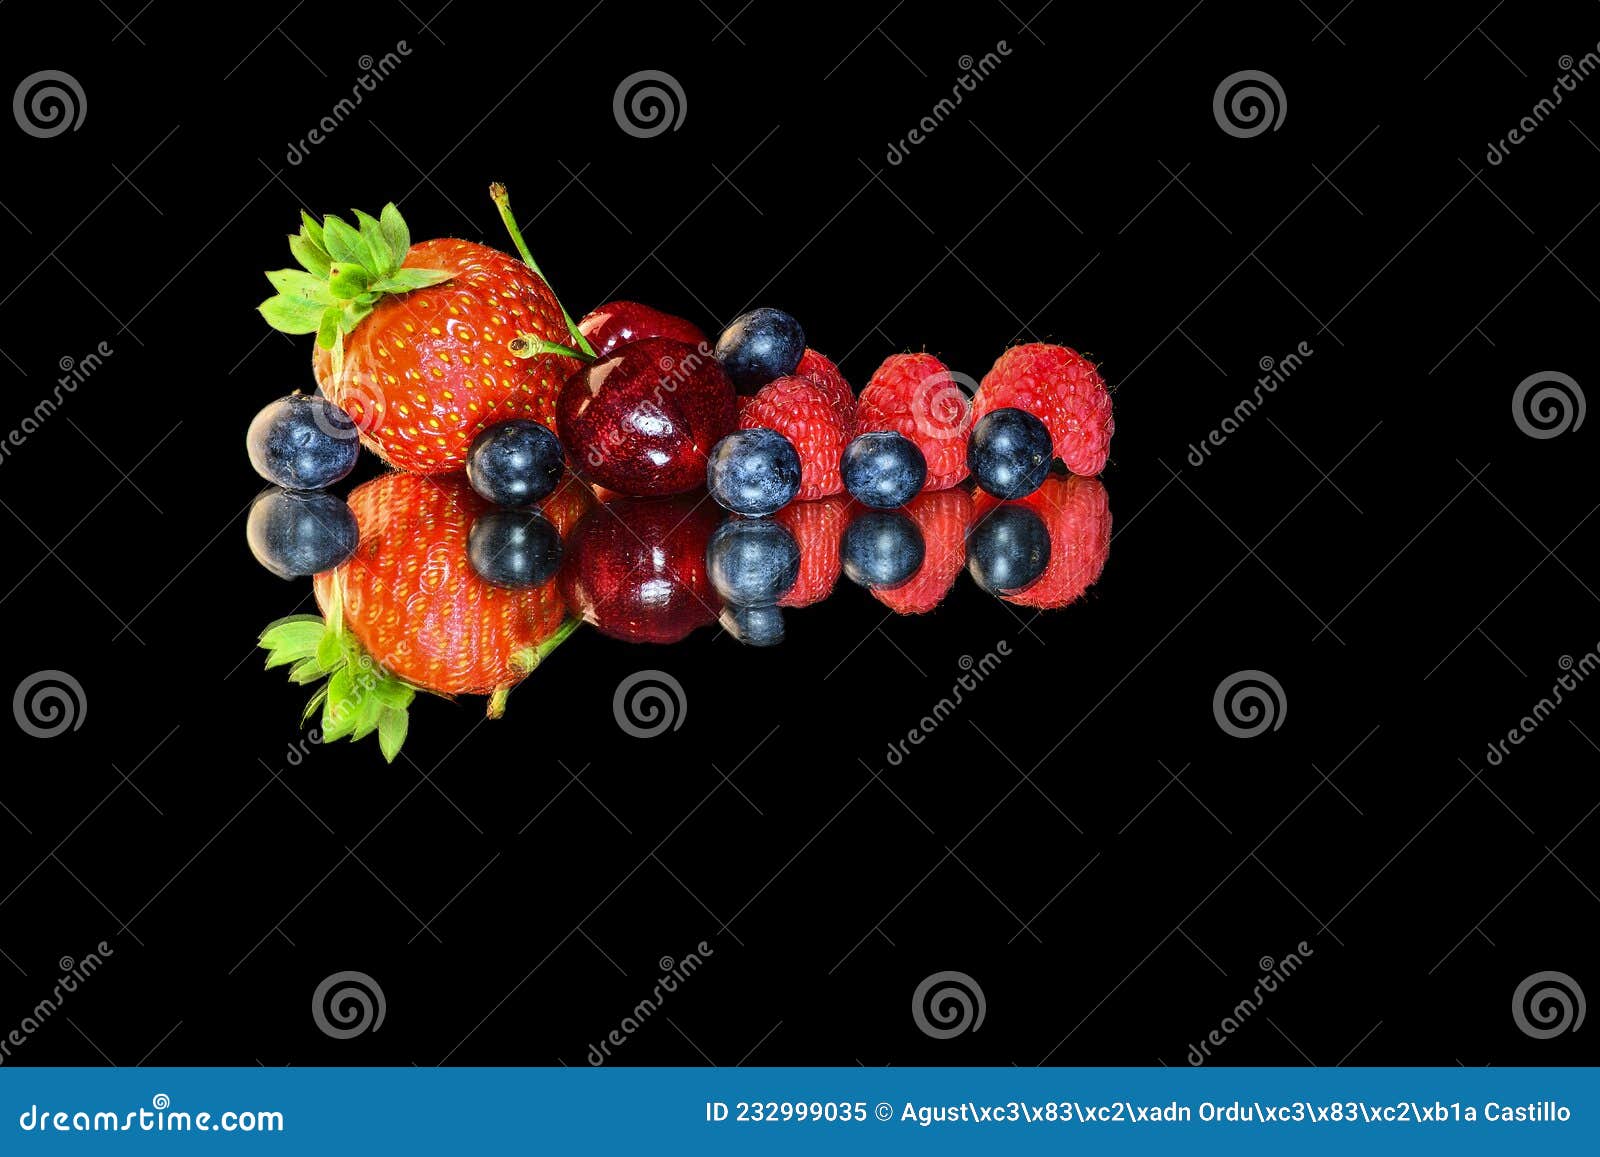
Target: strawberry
917 396
943 517
830 381
799 410
1078 516
423 345
407 613
816 526
1061 388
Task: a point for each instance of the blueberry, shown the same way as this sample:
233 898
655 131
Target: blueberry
515 463
753 471
753 563
295 533
1008 549
754 626
514 548
881 549
883 470
1009 453
759 346
302 442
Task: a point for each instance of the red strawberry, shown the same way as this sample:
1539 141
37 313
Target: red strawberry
943 517
830 381
799 410
816 526
1061 388
917 396
1078 515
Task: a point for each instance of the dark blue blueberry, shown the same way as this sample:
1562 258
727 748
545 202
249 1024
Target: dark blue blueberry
302 442
882 549
753 563
514 548
1009 453
760 346
295 533
1008 549
515 463
754 626
883 470
753 472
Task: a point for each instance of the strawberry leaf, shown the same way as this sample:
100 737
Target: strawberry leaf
396 234
392 727
347 281
313 258
300 283
343 242
292 314
405 280
311 231
328 328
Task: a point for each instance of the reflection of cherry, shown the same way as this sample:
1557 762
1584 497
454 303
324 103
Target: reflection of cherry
636 568
1077 514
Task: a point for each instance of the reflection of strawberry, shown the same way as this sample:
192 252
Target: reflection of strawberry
407 613
943 517
830 381
799 410
916 395
1078 515
816 527
1061 388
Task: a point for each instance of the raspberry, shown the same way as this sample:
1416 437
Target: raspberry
1061 388
916 395
830 381
943 517
802 413
1078 517
816 526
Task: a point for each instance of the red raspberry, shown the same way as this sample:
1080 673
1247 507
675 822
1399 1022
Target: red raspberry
943 517
830 381
802 413
816 526
917 396
1061 388
1078 517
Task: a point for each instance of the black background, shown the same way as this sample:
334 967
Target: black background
1083 193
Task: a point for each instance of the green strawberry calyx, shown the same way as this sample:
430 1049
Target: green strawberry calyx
344 272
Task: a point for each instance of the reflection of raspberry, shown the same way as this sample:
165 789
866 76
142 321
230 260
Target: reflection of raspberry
915 395
1061 388
943 517
816 526
802 413
1078 517
830 381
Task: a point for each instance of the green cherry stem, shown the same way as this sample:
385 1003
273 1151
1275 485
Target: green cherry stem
502 201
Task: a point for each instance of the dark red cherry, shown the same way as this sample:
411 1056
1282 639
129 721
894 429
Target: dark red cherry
617 323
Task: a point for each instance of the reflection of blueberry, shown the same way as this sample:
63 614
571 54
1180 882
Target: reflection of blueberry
302 442
759 346
514 463
754 626
883 469
514 548
1009 453
881 549
295 533
753 563
1008 549
753 471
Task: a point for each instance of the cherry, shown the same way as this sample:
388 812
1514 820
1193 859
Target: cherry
616 323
